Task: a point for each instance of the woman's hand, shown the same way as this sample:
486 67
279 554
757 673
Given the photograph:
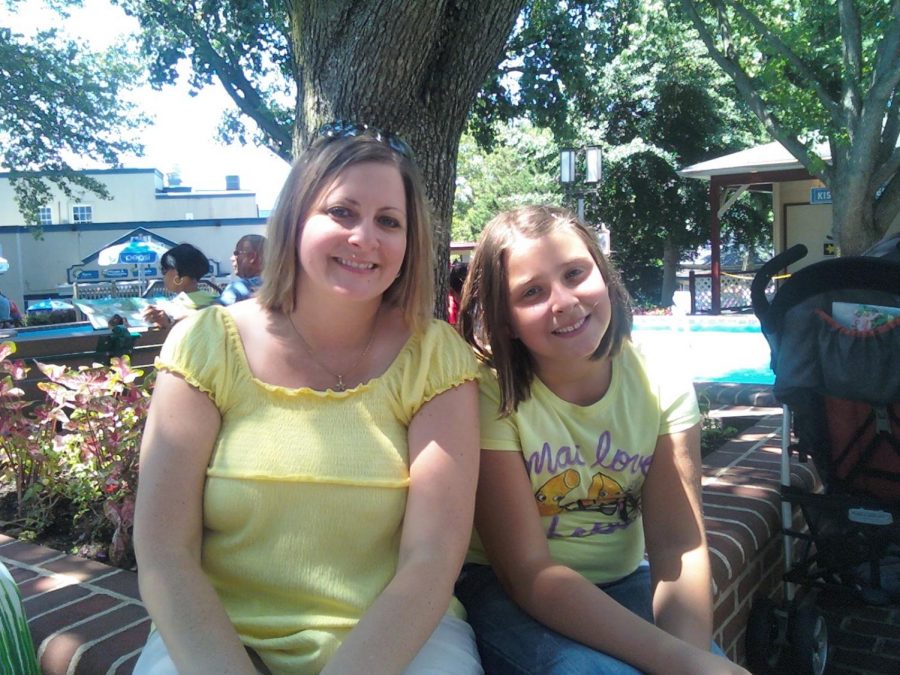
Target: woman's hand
155 315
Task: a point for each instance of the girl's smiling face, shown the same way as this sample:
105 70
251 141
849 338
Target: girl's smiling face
558 300
354 240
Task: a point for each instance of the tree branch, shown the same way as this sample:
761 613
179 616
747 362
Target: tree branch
891 129
810 160
890 167
886 74
851 46
888 205
831 106
247 99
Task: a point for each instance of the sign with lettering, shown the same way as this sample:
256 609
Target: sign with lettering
819 195
88 275
115 274
136 257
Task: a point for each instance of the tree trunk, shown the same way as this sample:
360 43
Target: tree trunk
413 68
853 202
671 256
853 219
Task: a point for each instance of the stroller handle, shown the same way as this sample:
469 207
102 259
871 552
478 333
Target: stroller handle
767 271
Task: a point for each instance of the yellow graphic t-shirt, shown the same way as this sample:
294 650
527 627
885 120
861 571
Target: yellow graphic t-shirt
587 464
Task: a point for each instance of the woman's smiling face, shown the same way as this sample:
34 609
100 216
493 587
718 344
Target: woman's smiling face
354 240
558 300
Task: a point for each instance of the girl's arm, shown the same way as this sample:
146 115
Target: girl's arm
510 528
443 457
181 429
676 540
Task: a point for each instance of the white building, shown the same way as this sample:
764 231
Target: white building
75 229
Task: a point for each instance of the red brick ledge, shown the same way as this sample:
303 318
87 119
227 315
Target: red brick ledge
85 617
742 513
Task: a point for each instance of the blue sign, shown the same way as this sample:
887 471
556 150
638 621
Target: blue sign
819 196
115 274
88 275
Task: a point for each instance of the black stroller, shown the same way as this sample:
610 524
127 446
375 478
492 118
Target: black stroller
834 333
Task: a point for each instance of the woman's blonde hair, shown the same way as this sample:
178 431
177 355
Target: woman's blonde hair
484 318
312 173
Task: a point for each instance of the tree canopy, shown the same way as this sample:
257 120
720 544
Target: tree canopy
622 75
813 72
520 169
60 101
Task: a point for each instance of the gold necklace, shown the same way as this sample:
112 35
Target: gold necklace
339 386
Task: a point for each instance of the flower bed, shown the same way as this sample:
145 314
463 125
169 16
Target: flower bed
68 463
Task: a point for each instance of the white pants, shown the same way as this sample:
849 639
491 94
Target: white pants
450 650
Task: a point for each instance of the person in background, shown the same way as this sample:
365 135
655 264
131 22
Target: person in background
5 312
309 461
183 266
247 264
589 452
456 280
120 338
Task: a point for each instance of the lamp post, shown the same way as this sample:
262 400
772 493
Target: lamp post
590 177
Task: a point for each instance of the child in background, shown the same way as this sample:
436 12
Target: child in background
458 271
590 456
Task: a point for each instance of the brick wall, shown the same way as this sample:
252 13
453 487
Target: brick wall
743 521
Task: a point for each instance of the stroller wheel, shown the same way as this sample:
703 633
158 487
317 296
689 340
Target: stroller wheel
809 641
761 638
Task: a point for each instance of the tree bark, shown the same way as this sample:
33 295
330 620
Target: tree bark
412 68
671 256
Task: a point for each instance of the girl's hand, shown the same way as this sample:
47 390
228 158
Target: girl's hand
707 663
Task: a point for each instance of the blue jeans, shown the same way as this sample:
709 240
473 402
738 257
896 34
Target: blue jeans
512 643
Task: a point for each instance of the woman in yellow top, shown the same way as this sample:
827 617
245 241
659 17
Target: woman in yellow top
309 462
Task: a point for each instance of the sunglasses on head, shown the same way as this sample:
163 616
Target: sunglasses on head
345 129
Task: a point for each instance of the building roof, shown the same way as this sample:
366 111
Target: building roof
769 157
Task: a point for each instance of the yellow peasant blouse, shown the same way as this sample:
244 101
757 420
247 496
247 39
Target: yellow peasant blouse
306 490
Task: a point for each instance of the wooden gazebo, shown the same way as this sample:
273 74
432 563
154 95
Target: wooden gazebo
759 169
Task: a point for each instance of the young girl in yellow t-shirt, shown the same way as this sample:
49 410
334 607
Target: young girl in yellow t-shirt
589 456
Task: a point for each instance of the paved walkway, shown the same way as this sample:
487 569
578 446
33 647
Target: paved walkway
86 618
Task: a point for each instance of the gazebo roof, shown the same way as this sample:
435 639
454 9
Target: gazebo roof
761 158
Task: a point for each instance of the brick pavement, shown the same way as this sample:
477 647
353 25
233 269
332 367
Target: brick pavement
85 617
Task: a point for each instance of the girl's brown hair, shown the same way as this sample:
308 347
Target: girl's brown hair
484 319
315 171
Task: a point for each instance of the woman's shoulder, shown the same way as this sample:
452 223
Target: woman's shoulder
437 336
435 354
241 312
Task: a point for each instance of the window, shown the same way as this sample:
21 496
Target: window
82 213
45 215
